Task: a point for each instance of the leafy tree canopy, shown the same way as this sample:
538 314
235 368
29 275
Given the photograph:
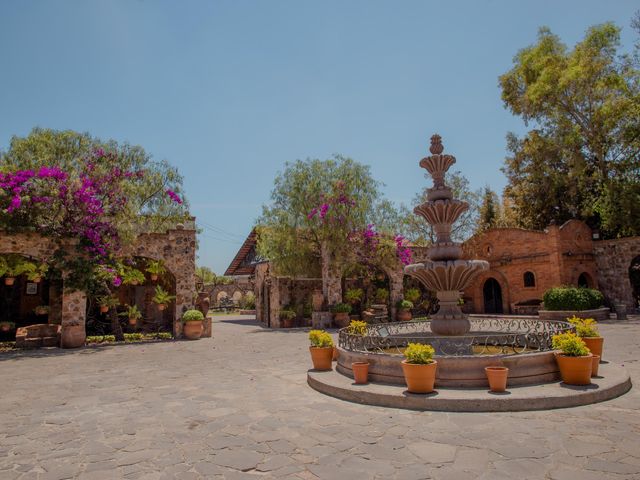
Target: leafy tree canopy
582 158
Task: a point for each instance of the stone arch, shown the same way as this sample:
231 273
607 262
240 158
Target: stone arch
221 294
585 280
478 293
236 297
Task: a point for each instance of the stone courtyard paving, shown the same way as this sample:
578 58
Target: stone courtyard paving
237 406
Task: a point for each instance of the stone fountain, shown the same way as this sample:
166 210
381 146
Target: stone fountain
444 272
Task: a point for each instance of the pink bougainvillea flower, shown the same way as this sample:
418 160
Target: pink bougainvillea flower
174 196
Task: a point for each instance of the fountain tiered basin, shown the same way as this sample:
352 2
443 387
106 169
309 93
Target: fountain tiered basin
521 344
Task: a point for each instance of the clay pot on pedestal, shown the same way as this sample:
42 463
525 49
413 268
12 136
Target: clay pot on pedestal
404 315
341 319
360 372
73 336
321 357
575 370
420 378
192 329
594 344
497 377
9 281
595 365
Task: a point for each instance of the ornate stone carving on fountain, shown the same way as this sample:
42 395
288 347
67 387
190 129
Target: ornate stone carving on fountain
444 272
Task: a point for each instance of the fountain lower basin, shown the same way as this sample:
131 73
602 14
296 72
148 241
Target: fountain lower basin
522 345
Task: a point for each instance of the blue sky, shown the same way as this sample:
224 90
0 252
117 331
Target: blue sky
230 90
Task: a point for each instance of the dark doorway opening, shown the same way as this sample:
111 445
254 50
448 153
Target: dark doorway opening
492 296
634 278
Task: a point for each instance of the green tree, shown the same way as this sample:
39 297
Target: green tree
581 160
205 275
148 208
420 233
489 212
316 205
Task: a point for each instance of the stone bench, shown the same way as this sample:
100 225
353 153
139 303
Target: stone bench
40 335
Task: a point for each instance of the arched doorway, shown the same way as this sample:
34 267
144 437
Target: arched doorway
492 294
584 280
634 278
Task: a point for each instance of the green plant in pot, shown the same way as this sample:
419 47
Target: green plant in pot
12 266
7 326
132 276
574 359
381 296
419 368
287 315
35 272
587 330
360 369
404 310
162 298
412 295
341 313
321 349
192 324
107 302
354 296
155 268
133 314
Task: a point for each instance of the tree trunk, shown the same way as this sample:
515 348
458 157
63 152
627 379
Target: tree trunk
331 279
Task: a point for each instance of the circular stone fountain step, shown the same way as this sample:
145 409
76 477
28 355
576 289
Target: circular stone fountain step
613 382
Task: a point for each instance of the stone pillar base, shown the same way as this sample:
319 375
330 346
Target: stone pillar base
321 320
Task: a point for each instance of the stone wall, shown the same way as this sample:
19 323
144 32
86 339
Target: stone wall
614 258
237 289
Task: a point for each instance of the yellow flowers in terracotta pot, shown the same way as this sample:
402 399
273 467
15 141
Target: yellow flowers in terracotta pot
419 368
321 349
587 330
574 359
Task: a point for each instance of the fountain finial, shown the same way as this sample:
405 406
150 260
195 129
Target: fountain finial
436 147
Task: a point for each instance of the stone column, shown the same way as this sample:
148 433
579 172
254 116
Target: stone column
74 314
395 290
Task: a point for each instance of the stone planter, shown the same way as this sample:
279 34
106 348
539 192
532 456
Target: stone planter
192 330
73 336
598 314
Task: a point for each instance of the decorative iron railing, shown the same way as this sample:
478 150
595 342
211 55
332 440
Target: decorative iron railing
488 336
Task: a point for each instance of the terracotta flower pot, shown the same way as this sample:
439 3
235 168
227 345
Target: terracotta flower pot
104 309
192 330
497 377
594 344
9 280
342 319
134 282
360 372
41 312
5 327
595 365
37 280
336 354
575 370
287 323
162 306
404 315
321 357
133 321
73 336
154 277
420 378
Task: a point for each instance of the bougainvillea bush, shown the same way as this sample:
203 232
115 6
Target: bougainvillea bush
101 197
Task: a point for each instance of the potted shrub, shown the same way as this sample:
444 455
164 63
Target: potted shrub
404 310
12 266
107 302
381 296
287 315
192 320
412 295
341 313
42 310
354 296
497 377
587 330
562 302
155 268
35 272
321 349
132 314
574 359
7 326
162 298
419 368
132 276
360 369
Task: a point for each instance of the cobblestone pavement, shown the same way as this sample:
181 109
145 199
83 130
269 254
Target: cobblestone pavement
237 406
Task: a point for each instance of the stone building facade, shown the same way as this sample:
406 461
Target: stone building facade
176 248
616 260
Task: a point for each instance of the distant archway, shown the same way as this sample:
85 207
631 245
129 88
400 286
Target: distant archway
585 280
492 295
634 279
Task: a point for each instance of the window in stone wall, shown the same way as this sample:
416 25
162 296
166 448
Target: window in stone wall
529 279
